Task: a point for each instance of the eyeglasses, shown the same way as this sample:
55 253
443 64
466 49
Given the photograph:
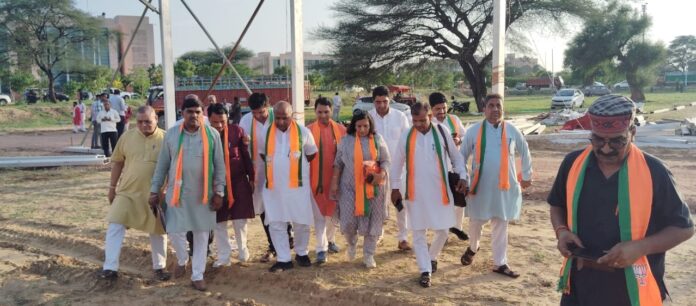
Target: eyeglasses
358 112
615 143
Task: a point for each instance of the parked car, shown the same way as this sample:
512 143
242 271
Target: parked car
568 98
60 97
621 85
596 90
365 103
5 99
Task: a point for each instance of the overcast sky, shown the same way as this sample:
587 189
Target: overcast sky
225 20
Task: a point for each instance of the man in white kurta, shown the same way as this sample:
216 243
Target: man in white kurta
255 125
426 209
490 201
284 204
391 124
438 102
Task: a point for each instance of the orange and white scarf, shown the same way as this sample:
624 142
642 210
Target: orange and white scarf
479 153
207 141
295 155
411 165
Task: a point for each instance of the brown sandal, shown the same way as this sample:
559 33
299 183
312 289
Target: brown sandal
468 257
505 270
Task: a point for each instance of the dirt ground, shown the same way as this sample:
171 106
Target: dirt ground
52 231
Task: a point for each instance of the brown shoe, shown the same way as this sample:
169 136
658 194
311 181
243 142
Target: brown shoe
199 285
404 246
267 256
179 271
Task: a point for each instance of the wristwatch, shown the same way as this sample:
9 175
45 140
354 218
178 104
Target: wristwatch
220 193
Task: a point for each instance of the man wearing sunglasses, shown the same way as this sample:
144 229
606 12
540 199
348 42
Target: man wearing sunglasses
615 211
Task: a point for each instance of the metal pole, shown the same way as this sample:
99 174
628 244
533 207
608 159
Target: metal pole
234 49
498 78
125 53
298 86
167 63
224 57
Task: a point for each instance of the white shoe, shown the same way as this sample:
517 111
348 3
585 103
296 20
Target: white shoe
244 255
233 243
351 252
369 261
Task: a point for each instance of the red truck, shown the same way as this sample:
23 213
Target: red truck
545 82
277 88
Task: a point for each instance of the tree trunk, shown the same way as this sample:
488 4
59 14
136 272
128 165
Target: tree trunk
51 89
475 76
637 94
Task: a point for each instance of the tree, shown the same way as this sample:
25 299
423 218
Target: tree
210 56
184 68
139 80
372 37
682 53
282 70
45 31
614 36
154 73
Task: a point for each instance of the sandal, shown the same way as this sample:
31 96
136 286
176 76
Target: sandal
425 280
505 270
468 257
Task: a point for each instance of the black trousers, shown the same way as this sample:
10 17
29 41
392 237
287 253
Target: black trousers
120 126
268 234
109 138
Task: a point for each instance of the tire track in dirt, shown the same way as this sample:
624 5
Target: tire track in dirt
74 260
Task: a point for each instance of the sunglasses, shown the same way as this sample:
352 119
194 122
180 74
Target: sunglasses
358 112
615 143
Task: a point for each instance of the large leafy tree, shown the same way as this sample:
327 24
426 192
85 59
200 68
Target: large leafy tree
373 37
682 53
614 37
45 31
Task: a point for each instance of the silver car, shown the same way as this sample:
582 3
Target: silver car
365 103
5 99
568 98
596 90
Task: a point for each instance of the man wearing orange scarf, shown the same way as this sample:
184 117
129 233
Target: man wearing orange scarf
615 211
192 162
327 134
287 196
494 193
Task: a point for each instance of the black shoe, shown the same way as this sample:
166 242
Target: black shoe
108 275
281 266
425 280
433 264
460 233
292 243
303 261
161 275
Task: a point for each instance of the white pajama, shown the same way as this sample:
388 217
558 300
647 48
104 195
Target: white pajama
499 238
324 230
420 246
222 240
459 218
369 242
114 239
200 251
279 236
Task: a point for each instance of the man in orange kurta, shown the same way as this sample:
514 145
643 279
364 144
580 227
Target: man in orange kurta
327 134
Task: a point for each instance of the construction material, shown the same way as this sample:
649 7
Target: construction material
662 110
679 107
52 161
83 150
686 128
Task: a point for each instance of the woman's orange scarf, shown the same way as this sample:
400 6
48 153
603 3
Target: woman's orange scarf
363 193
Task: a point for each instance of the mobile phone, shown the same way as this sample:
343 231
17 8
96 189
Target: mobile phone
584 253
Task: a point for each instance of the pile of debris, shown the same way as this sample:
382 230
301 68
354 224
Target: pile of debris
528 127
687 128
560 117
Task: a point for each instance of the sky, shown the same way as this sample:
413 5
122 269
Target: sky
270 31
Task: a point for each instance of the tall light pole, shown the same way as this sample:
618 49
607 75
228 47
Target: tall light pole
498 61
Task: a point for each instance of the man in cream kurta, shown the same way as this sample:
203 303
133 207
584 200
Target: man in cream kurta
285 204
438 102
190 214
132 165
426 209
391 124
490 201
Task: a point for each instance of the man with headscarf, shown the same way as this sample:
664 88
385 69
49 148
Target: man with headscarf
615 211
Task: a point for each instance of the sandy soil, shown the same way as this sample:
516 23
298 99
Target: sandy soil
52 229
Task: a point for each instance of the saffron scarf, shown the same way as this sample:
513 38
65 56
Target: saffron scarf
363 193
228 170
450 124
317 165
411 165
479 153
253 137
207 141
634 209
295 155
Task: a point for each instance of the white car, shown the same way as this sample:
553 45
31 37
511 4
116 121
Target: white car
365 103
568 98
5 99
621 85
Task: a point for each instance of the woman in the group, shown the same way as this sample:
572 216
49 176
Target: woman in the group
358 185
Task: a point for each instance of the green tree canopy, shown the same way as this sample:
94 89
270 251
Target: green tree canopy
682 52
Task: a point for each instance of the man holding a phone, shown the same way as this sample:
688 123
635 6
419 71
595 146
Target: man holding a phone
615 211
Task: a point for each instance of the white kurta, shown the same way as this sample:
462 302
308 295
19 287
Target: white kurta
260 140
427 211
391 126
489 201
282 203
